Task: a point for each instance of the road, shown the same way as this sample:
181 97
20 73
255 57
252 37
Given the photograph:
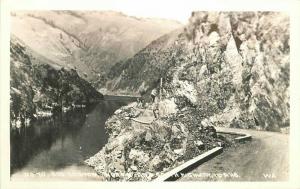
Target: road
265 158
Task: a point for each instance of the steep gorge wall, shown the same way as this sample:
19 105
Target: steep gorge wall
255 49
232 66
39 89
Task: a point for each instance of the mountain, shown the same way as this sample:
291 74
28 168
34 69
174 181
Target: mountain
88 41
38 90
231 67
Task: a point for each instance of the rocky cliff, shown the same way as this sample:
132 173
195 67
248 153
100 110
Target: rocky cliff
232 66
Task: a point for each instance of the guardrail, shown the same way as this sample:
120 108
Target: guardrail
242 136
177 172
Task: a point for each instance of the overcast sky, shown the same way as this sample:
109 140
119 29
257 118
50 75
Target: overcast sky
171 9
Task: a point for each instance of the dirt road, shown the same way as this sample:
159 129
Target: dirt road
265 158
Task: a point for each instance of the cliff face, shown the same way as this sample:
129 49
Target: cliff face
41 89
232 67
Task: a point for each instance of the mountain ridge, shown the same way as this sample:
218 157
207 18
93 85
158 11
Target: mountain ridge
95 40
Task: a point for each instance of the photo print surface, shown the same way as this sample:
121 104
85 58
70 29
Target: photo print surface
106 96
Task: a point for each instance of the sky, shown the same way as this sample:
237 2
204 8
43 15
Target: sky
179 10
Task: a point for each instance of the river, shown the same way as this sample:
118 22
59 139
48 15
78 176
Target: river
54 149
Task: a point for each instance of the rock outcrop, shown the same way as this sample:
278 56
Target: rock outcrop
138 151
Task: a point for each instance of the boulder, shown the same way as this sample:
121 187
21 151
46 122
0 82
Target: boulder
199 144
156 163
166 107
179 152
118 111
138 155
220 144
133 168
148 136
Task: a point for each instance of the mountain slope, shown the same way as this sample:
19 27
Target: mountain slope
142 71
92 43
232 67
41 89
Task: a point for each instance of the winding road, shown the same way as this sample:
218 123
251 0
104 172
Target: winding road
265 158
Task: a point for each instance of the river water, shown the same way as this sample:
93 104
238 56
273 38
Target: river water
54 149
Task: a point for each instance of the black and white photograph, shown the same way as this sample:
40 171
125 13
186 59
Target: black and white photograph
120 94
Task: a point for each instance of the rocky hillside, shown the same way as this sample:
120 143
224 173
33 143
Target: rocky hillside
225 69
41 89
233 67
141 151
88 41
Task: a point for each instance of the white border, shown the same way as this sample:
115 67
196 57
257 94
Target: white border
293 7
